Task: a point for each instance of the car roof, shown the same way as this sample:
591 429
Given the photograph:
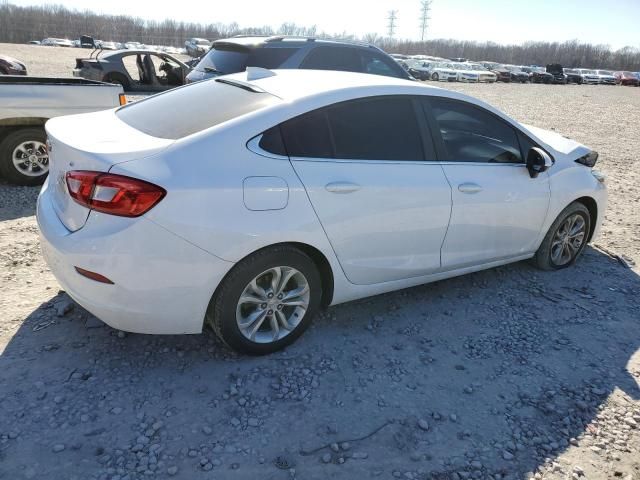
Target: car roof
113 53
293 84
277 40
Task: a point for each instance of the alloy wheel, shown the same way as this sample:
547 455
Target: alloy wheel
273 304
31 158
568 239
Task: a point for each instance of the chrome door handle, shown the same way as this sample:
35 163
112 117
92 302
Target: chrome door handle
469 188
341 187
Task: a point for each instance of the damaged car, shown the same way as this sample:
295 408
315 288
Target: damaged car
11 66
135 70
335 186
557 72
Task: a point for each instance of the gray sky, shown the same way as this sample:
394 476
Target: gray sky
612 22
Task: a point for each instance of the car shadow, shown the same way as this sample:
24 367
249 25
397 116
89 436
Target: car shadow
495 374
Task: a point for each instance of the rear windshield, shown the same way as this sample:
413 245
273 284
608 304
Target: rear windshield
229 58
196 107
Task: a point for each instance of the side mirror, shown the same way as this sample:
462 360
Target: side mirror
538 161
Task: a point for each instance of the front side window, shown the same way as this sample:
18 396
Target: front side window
381 128
472 134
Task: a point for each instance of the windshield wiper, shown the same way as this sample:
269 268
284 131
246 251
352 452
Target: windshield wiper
212 70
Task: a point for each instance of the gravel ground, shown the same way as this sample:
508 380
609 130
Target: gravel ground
505 374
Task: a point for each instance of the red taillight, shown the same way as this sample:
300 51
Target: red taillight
113 194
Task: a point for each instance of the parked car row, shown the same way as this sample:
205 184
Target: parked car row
106 45
425 67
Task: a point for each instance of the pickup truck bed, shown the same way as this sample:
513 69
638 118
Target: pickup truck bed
26 103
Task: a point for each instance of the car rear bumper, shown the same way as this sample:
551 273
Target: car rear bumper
161 283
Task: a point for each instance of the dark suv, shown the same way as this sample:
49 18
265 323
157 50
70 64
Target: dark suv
235 54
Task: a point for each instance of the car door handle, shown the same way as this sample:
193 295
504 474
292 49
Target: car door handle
341 187
469 188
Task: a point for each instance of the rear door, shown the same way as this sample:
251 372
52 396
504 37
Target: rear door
498 209
369 172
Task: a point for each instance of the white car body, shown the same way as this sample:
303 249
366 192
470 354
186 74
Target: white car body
228 198
606 77
589 76
57 42
473 73
444 72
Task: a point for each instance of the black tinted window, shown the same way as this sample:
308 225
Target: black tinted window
333 58
308 136
271 141
471 134
377 64
371 129
270 57
378 129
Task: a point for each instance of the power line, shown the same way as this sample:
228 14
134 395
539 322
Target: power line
425 8
391 26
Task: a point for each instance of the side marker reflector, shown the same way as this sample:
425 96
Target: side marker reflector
93 276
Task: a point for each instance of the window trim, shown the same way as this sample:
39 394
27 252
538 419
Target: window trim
439 142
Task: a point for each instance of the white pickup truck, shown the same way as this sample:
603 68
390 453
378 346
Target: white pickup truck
26 103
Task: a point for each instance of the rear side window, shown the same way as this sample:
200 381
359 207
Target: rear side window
308 136
187 110
333 58
382 128
471 134
271 57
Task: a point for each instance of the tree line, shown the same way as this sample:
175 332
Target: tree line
21 24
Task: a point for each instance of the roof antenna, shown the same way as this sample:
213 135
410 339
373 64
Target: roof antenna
256 73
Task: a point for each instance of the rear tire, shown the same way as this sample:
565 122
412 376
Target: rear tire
252 280
29 145
566 239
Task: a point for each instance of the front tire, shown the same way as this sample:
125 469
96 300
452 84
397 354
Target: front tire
24 159
435 77
267 301
566 239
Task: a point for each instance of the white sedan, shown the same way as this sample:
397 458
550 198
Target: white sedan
473 73
249 201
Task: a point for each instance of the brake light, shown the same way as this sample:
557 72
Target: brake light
113 194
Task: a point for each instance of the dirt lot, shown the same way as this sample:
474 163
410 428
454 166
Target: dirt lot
505 374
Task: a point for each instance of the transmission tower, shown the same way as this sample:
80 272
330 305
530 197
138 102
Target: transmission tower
425 8
391 26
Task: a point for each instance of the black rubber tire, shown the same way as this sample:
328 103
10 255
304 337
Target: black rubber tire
118 79
542 258
435 77
8 145
221 314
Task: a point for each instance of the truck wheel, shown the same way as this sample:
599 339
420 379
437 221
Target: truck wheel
24 159
118 79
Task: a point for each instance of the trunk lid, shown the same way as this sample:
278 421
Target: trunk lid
94 141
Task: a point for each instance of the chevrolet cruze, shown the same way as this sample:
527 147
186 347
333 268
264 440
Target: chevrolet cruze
249 201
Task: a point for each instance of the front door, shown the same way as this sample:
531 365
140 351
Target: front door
368 171
498 209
